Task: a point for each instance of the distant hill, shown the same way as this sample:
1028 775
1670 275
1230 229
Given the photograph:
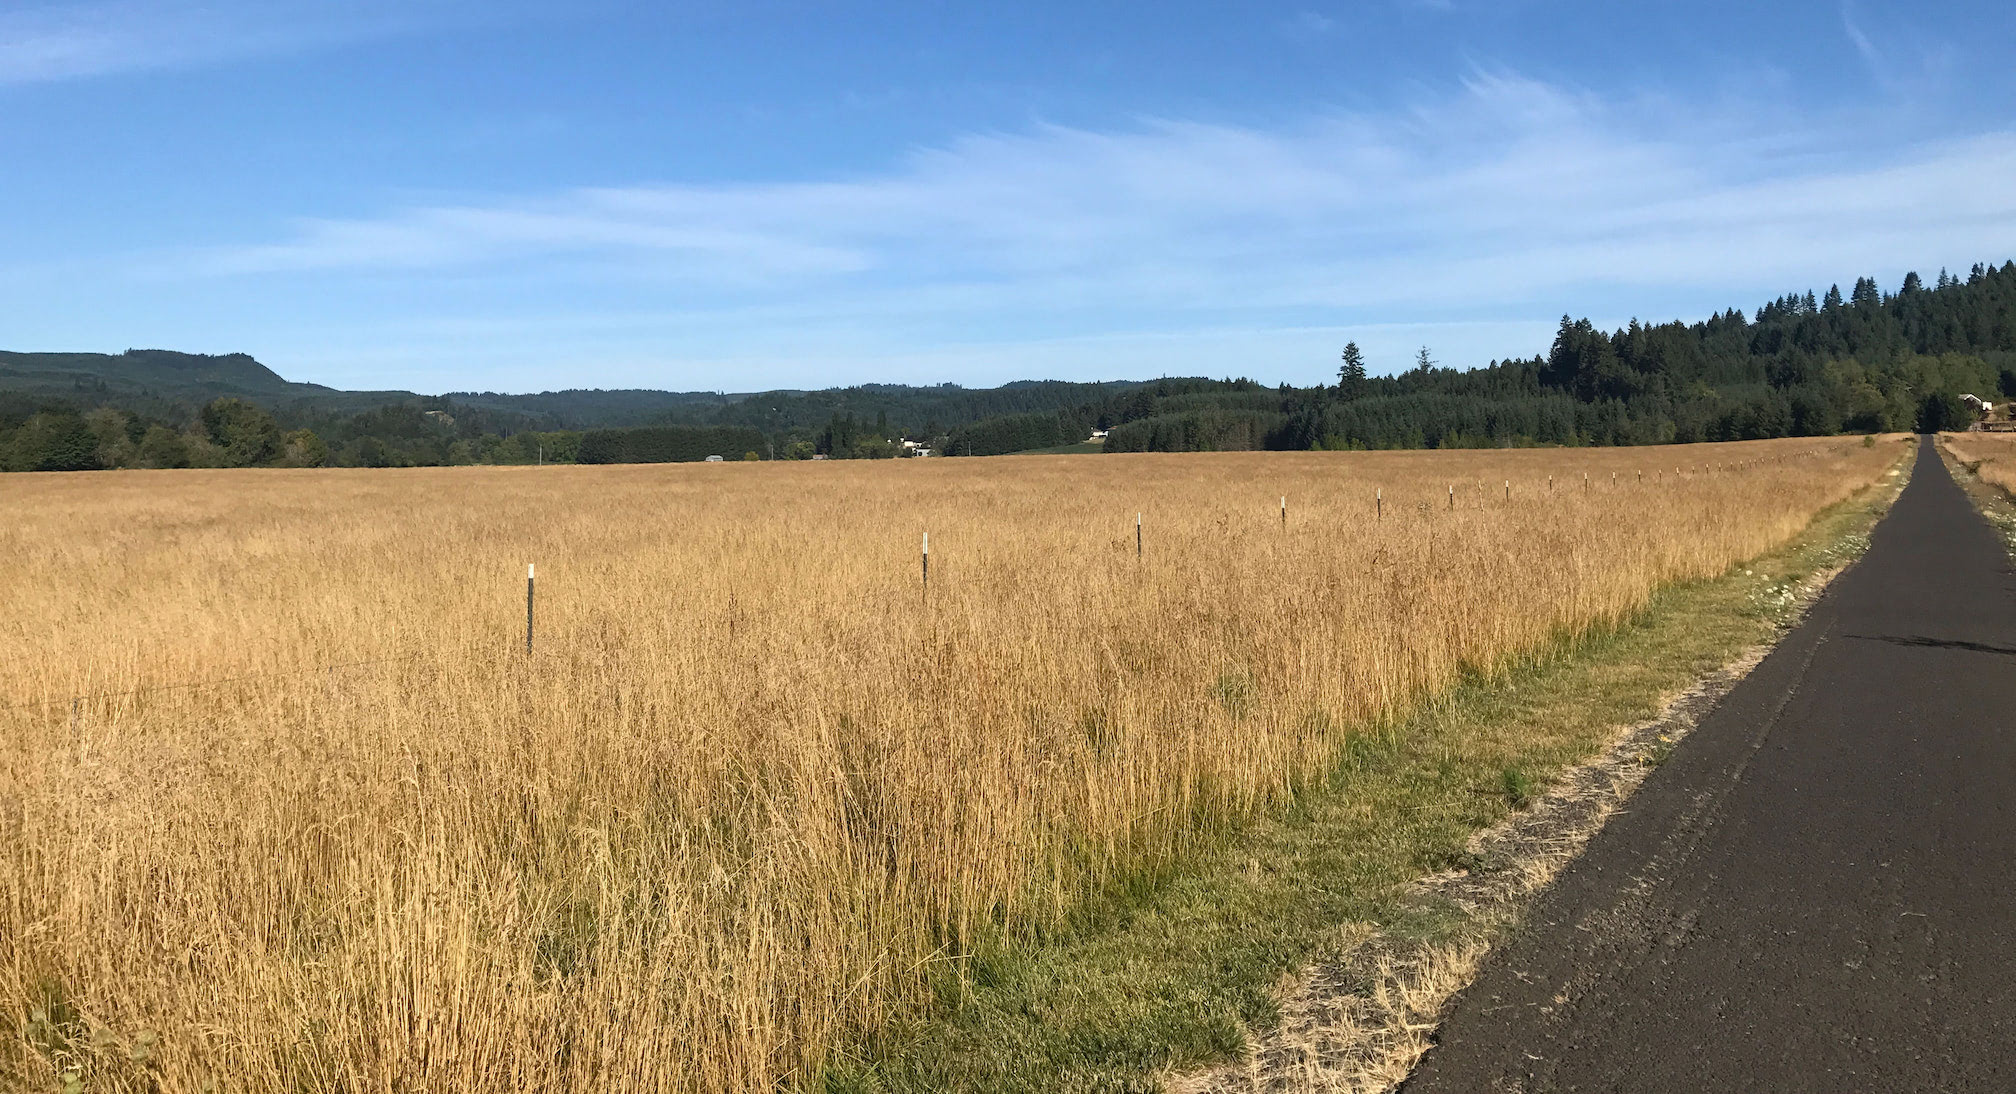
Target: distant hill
148 372
167 378
161 380
168 384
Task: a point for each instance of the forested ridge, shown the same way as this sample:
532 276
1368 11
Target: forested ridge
1804 364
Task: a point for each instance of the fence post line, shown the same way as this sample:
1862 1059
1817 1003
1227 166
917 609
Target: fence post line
927 562
1508 489
1452 497
1137 536
1284 511
1379 503
531 569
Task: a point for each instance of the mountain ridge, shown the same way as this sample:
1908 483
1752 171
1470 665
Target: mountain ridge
162 379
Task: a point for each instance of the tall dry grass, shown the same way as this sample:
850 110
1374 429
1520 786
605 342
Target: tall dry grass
755 787
1992 456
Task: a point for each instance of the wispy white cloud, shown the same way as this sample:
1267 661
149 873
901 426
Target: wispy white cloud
1860 40
1511 187
1906 61
97 37
1473 215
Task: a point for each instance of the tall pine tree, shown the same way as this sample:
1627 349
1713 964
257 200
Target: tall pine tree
1351 376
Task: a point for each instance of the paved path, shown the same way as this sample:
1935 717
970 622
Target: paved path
1818 891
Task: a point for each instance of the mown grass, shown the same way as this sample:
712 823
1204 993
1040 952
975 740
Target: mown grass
1172 972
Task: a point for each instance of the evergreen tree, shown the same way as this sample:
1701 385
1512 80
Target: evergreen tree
1833 300
1423 362
1351 376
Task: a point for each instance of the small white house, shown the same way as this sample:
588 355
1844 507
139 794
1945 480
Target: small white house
1100 434
713 459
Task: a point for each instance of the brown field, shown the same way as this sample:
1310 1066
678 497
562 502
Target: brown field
1991 456
318 823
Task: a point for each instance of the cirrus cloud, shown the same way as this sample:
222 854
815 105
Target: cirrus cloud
1511 190
1170 245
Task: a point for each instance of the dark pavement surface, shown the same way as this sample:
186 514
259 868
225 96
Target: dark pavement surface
1817 892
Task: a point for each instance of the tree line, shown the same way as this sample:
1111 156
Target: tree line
1804 364
38 433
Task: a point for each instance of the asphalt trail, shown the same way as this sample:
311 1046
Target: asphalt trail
1817 892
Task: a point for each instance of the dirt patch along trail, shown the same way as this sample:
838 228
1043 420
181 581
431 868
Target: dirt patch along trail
1817 892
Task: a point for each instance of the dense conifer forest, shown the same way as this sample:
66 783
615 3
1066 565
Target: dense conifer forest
1804 364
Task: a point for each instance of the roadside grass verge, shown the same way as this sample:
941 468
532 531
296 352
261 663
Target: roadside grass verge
1189 968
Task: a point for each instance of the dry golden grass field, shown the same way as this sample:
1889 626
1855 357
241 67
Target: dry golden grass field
1991 456
285 805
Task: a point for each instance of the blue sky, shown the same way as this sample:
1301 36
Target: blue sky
524 195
